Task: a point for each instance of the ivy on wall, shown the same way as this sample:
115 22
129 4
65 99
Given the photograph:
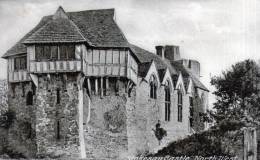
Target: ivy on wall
115 119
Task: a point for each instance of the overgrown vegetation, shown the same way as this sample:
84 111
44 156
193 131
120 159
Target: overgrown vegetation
237 94
205 144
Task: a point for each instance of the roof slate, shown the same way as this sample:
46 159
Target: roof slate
175 67
143 68
97 27
60 30
146 56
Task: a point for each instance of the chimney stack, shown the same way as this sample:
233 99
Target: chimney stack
160 51
170 52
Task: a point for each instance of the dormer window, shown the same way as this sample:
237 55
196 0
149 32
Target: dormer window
153 87
20 63
55 52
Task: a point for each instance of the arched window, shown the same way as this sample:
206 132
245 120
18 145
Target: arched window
191 111
153 87
179 106
167 101
29 98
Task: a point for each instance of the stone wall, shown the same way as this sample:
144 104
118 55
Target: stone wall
3 109
21 134
56 113
145 112
106 133
116 125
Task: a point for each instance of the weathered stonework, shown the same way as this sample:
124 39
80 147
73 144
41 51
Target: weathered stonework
106 133
21 134
34 131
49 113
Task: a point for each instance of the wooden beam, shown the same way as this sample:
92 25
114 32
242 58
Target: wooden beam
96 86
89 86
101 87
107 85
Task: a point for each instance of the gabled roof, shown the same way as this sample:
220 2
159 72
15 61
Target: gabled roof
175 67
97 27
143 68
60 30
161 73
146 56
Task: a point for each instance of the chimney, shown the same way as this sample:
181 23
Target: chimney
160 51
172 53
169 52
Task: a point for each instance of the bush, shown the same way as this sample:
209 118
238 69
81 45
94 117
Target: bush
205 144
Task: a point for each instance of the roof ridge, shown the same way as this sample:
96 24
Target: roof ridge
91 10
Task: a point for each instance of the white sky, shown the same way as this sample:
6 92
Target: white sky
217 33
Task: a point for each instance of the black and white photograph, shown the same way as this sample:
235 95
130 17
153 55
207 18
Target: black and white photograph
130 79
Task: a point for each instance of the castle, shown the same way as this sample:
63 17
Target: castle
75 80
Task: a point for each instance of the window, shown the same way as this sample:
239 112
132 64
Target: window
63 52
58 96
13 90
54 52
29 98
58 130
191 111
39 54
20 63
70 52
153 87
167 101
179 106
23 90
47 52
191 116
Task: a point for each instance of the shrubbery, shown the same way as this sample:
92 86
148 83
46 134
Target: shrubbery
207 143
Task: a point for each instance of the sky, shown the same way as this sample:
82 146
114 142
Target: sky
217 33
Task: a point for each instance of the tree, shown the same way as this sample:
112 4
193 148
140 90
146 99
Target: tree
237 94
